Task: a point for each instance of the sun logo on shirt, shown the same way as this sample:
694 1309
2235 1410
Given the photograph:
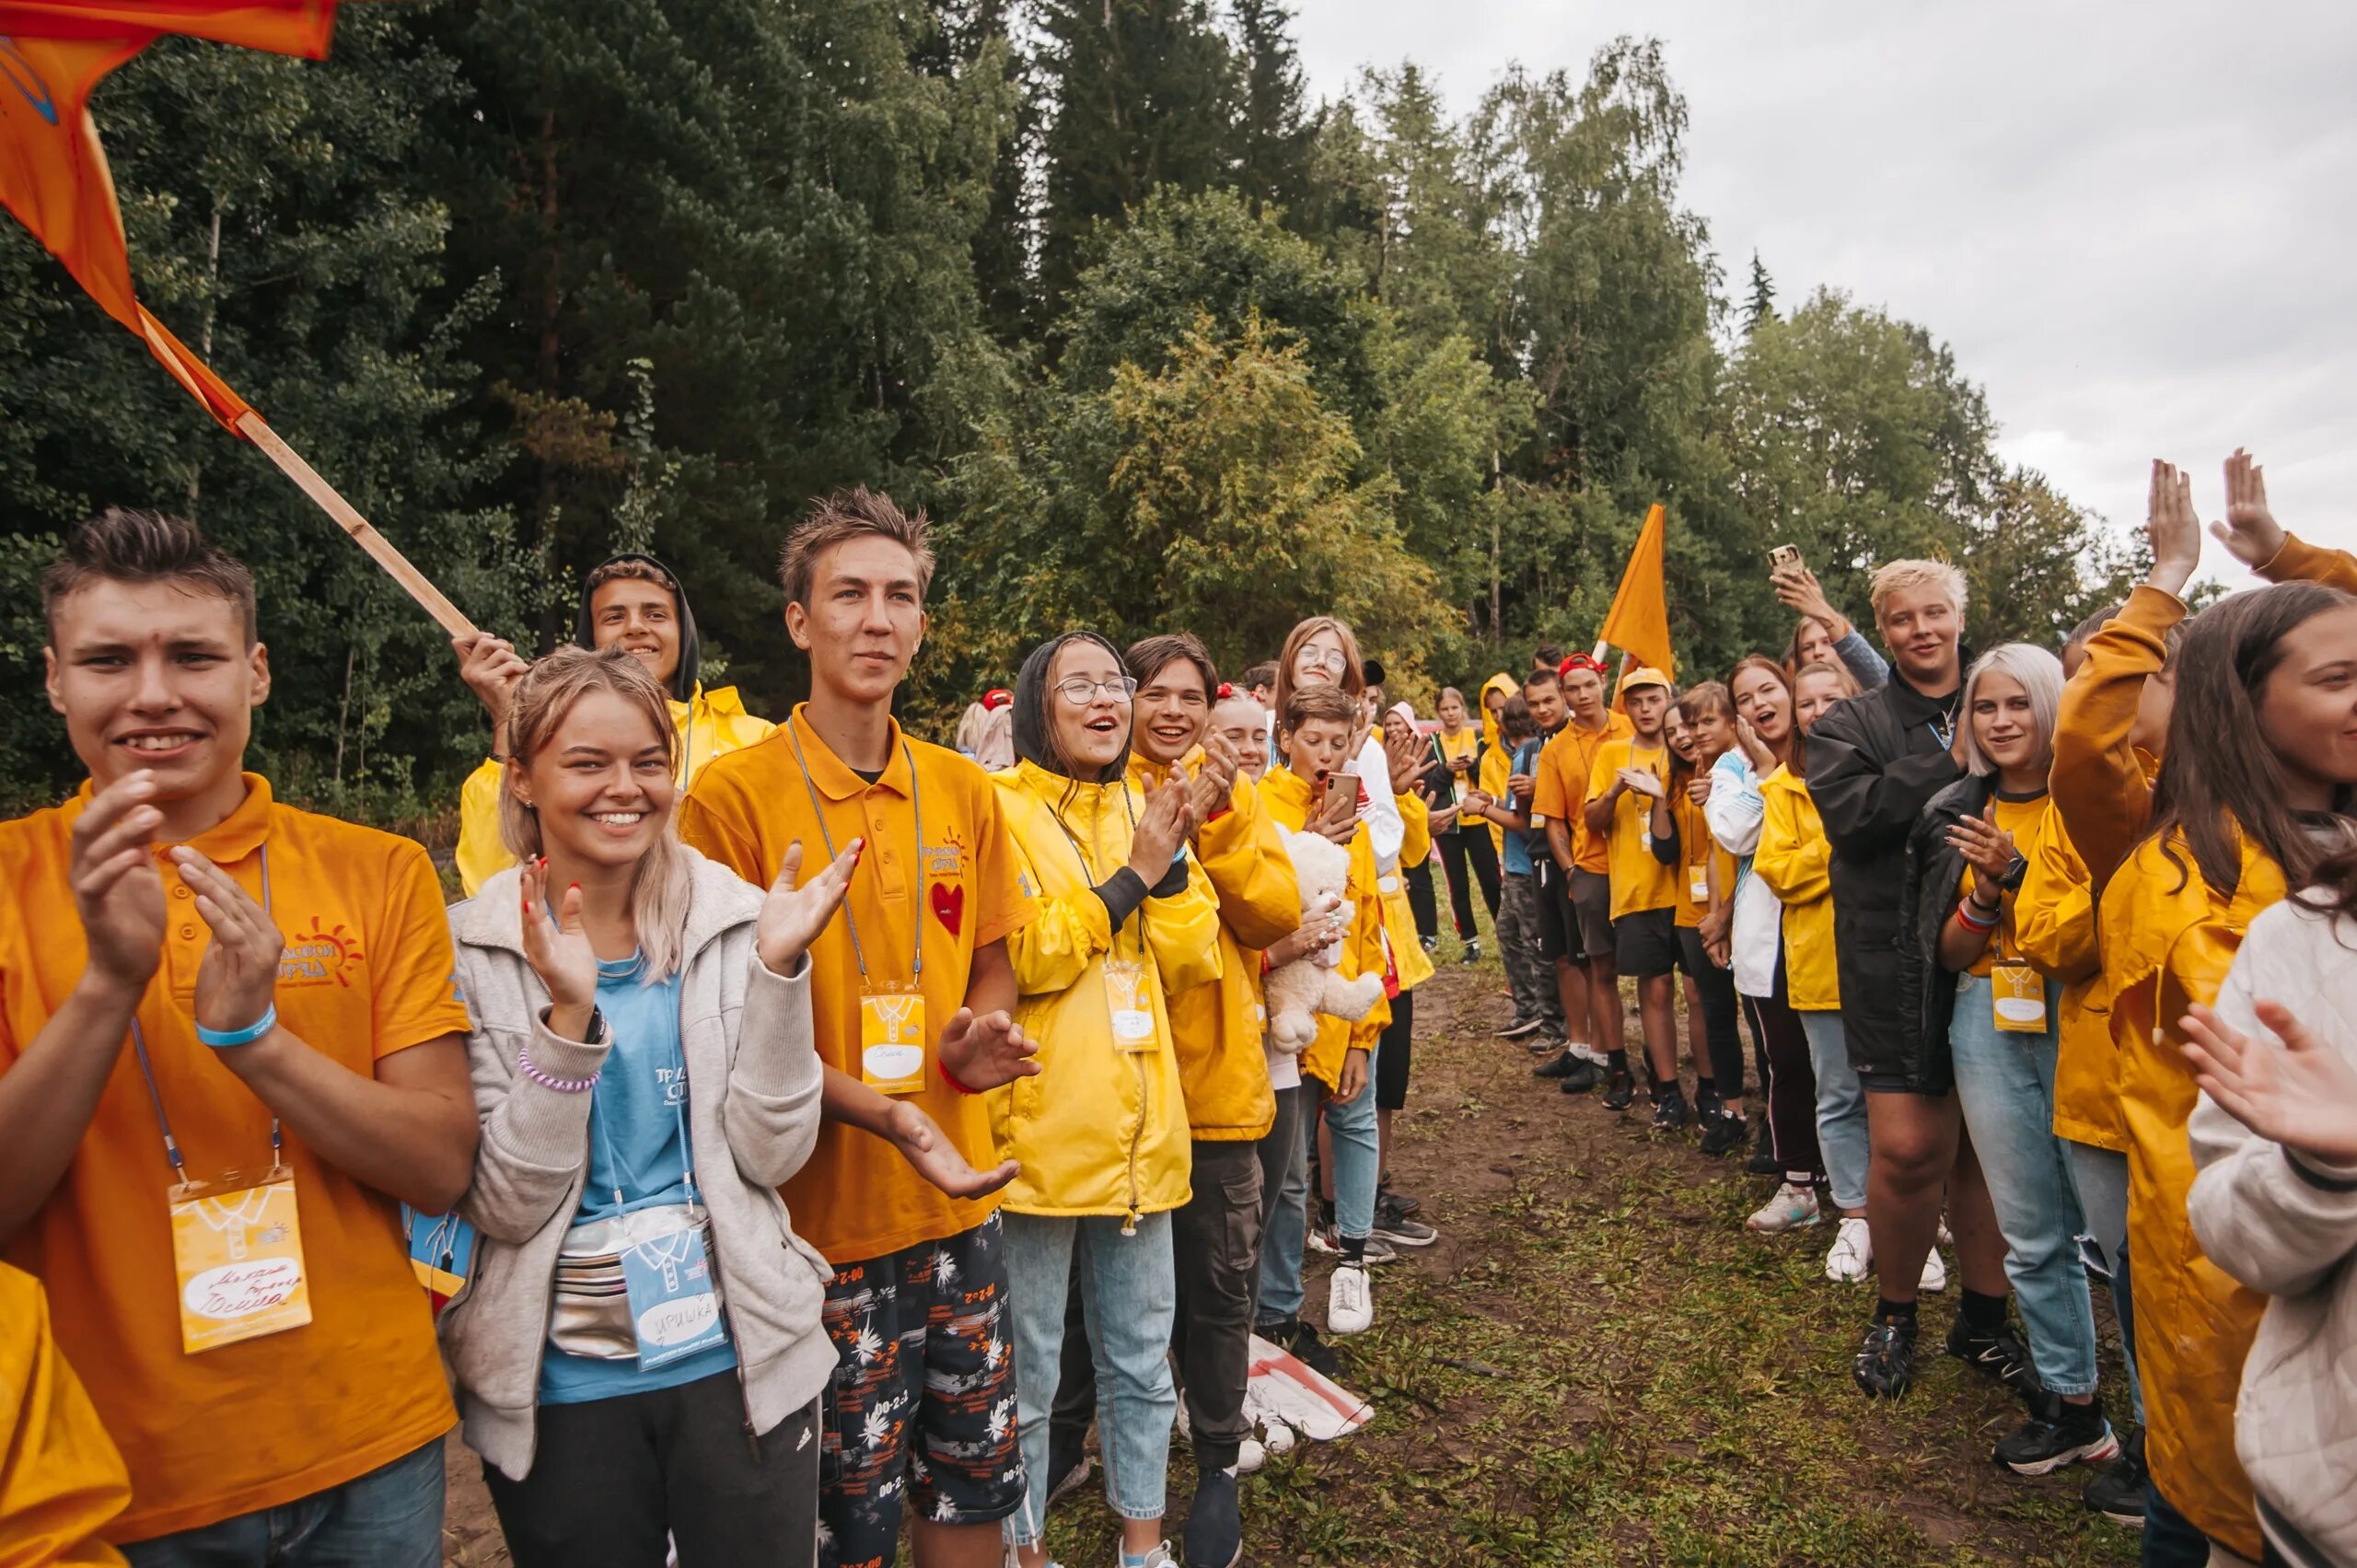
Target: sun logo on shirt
320 956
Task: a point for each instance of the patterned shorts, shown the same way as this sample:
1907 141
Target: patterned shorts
921 1411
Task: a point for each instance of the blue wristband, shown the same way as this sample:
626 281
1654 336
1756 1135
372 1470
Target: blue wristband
223 1040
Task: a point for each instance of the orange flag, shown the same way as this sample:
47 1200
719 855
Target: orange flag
1639 622
53 171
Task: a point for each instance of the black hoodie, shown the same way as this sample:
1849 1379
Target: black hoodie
683 680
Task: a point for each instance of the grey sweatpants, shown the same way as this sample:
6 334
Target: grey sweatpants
1529 977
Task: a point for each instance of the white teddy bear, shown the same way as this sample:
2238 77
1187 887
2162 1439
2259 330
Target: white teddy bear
1298 992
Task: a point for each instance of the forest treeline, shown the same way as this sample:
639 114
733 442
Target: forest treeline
1156 338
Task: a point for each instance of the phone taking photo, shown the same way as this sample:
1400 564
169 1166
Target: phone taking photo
1784 558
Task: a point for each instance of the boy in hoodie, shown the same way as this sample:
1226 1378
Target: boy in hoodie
923 1418
631 600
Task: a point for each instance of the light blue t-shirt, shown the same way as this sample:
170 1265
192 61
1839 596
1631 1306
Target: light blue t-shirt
637 1144
1518 845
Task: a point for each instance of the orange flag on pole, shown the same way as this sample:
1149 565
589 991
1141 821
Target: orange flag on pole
1638 623
53 177
53 173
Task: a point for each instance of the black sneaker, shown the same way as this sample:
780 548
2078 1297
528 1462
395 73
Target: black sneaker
1399 1200
1620 1092
1519 1028
1548 1041
1472 954
2058 1433
1583 1077
1560 1066
1392 1226
1763 1160
1068 1463
2000 1357
1214 1537
1670 1111
2117 1490
1432 944
1885 1365
1724 1132
1303 1340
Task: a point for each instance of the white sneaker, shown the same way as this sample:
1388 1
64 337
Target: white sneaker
1349 1300
1158 1558
1935 1273
1853 1256
1793 1208
1250 1455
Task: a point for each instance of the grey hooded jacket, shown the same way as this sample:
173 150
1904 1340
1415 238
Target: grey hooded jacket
754 1082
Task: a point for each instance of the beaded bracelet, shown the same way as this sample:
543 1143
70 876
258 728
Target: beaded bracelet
561 1086
228 1039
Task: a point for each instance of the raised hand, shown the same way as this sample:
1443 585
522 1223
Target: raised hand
1985 847
1763 760
1798 589
1162 828
2172 528
1645 781
2301 1094
983 1052
928 1149
1338 816
491 666
2249 530
237 981
1404 755
118 891
1215 777
558 950
1698 788
793 916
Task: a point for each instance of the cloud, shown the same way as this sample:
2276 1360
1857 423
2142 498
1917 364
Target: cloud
2136 224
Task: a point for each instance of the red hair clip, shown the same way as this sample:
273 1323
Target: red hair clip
1226 690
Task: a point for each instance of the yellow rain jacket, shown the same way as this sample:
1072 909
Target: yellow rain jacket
1217 1027
1792 859
1287 796
2166 942
2054 926
1408 955
1497 761
711 724
1100 1130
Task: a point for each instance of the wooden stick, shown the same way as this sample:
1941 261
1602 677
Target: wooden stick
379 548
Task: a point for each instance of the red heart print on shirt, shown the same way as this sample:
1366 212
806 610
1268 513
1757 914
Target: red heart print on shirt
949 906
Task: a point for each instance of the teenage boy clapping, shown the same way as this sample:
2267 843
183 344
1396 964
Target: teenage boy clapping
913 995
200 981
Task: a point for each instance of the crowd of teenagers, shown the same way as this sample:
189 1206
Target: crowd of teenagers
819 1130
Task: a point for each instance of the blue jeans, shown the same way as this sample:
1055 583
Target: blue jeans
2005 1084
1131 1296
1357 1148
2102 1178
1284 1213
2171 1540
1841 1110
391 1517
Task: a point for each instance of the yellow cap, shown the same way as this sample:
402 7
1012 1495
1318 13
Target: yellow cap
1645 674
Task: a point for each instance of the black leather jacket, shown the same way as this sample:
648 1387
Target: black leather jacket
1928 892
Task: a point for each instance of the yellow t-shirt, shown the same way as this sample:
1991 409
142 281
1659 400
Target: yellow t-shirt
367 972
2022 818
1560 790
1639 881
958 889
1696 852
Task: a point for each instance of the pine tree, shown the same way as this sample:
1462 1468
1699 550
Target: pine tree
1143 95
1273 132
1762 304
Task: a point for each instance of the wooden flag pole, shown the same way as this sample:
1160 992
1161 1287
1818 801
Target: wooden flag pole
251 425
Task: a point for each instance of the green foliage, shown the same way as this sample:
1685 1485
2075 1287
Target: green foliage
1156 341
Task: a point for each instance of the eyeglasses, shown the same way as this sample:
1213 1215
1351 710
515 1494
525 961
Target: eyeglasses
1332 661
1080 690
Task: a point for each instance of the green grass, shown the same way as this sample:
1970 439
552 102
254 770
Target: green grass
1597 1365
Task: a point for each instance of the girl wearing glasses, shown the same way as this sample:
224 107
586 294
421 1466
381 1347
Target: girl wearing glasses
1125 918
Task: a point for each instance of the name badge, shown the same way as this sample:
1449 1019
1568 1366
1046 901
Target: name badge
1698 885
2017 999
237 1255
672 1304
1132 1010
1388 884
892 1041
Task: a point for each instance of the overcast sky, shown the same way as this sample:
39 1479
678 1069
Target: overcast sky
2136 225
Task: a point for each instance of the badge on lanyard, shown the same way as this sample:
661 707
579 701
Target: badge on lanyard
672 1304
1132 1010
892 1036
237 1256
1698 884
891 1041
2017 999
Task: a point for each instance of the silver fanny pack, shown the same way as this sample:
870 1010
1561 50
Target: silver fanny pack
589 1309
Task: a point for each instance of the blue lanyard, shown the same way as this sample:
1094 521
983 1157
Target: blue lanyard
156 1095
916 814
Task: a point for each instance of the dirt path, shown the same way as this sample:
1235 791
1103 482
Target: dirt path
1596 1365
